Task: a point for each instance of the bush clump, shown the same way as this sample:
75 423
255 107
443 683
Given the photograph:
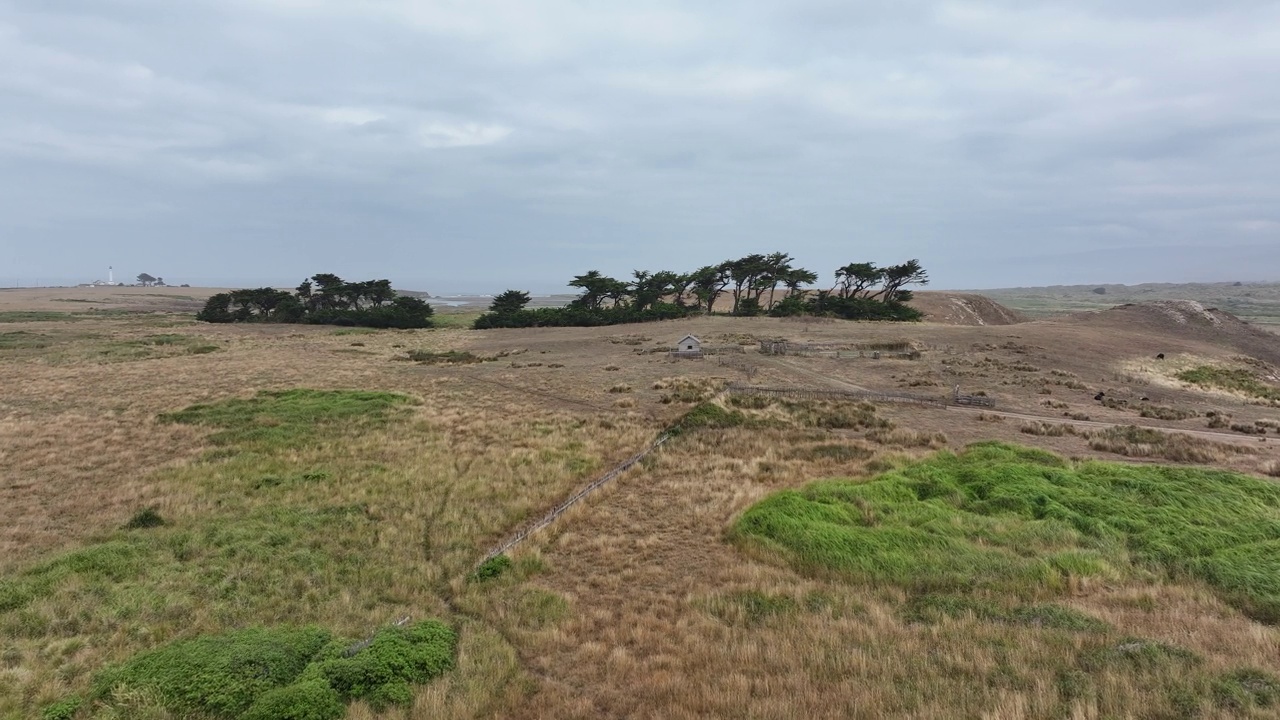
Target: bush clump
383 671
221 675
308 700
708 415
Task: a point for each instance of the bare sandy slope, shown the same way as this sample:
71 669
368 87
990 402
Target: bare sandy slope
964 309
1184 319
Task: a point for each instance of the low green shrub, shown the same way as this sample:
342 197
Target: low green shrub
307 700
65 709
492 568
145 518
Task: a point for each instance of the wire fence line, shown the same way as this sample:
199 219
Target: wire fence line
577 497
812 394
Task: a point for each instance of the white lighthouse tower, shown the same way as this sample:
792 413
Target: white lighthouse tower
111 275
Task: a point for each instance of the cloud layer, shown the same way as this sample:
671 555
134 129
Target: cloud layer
478 145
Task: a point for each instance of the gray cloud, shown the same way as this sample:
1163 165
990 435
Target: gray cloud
495 143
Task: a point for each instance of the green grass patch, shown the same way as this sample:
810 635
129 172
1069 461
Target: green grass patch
24 316
162 339
836 415
1136 654
457 320
288 417
931 608
839 452
752 607
23 340
1247 688
273 673
1005 518
1237 380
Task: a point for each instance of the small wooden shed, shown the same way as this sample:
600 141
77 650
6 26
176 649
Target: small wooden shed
689 347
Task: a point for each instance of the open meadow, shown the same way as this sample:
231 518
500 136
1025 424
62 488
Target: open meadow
792 553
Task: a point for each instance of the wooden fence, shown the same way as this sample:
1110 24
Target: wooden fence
901 349
811 394
577 497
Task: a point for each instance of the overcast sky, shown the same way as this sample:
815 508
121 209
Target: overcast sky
477 145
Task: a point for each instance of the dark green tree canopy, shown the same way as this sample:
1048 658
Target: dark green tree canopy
322 299
511 301
863 291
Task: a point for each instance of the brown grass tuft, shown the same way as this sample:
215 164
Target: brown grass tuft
907 438
1133 441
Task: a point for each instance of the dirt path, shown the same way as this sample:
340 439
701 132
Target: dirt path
793 367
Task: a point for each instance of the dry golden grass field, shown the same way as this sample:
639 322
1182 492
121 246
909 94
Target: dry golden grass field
640 601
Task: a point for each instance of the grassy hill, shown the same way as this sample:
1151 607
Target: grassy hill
1253 302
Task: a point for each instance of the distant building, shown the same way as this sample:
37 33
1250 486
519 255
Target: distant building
688 347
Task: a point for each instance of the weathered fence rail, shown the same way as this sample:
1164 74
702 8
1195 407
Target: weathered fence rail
974 400
811 394
577 497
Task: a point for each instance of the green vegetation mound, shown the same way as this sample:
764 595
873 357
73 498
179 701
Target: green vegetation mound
291 673
1238 380
288 417
1010 519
